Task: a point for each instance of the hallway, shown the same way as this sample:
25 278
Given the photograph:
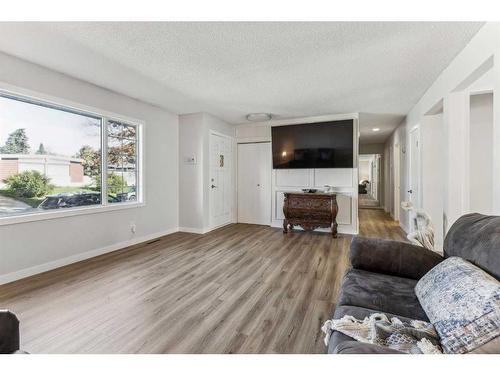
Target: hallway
367 201
378 223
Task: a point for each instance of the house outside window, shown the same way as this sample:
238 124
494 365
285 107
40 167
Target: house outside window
55 158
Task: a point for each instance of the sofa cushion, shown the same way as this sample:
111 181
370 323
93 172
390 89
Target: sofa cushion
463 303
476 238
338 341
392 257
355 347
382 293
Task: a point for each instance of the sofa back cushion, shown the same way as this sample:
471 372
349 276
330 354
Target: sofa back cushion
476 238
463 304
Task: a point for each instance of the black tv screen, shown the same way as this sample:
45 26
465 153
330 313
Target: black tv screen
316 145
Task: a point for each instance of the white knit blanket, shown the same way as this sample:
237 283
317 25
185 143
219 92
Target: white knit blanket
415 337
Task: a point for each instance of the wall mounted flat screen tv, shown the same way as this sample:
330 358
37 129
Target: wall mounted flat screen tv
317 145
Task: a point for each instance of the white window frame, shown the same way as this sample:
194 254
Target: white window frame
63 104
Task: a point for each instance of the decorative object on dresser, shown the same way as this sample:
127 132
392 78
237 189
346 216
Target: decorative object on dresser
310 211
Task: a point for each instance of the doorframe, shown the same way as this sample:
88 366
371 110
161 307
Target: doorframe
397 181
376 162
416 128
211 225
391 183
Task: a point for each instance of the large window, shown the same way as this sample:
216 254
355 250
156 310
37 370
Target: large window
54 159
122 161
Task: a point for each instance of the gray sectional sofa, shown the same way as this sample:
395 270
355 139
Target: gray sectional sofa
383 275
9 332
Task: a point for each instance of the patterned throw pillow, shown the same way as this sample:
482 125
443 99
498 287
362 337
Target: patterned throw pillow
463 303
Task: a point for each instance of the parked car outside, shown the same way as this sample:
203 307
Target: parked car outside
127 196
68 200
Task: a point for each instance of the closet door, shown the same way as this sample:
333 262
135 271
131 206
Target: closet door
254 183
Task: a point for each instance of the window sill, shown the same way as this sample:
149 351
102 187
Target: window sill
39 216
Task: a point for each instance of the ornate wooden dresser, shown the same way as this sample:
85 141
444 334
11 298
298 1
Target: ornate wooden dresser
310 211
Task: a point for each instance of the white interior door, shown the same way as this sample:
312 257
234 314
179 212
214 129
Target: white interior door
254 183
220 180
414 190
397 184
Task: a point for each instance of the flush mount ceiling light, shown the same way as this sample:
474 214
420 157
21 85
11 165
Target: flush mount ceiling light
376 129
257 117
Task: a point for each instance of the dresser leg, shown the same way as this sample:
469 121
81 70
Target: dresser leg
334 230
285 225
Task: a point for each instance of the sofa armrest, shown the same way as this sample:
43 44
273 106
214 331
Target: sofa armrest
355 347
392 257
9 332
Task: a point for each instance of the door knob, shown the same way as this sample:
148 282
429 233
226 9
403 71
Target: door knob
410 191
213 186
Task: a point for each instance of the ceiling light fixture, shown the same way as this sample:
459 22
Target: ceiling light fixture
376 129
257 117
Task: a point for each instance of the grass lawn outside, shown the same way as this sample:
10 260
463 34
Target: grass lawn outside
35 202
69 189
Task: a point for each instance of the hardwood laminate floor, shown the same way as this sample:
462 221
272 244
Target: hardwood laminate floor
239 289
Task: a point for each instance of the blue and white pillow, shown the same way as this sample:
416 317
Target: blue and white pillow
462 302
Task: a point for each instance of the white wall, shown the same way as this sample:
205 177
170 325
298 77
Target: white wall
433 168
396 144
194 179
364 169
32 247
481 56
481 154
371 148
388 168
191 145
344 180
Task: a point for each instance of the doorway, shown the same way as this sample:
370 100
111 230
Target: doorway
254 183
397 183
221 194
433 169
414 180
369 191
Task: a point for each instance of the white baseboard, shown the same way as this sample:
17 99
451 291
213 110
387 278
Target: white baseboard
203 230
193 230
30 271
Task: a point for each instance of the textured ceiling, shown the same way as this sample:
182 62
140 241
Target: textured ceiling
231 69
385 122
